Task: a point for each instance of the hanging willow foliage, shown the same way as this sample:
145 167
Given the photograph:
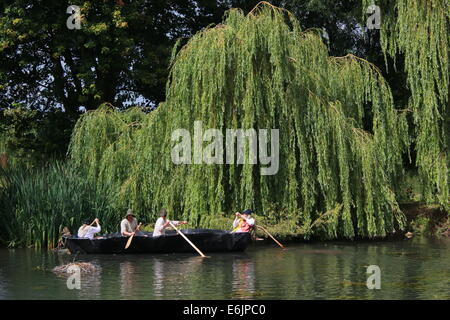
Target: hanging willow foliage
341 139
420 30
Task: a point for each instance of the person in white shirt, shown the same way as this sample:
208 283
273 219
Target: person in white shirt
129 226
87 231
243 221
162 223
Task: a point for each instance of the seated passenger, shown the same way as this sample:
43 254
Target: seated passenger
162 223
243 222
129 225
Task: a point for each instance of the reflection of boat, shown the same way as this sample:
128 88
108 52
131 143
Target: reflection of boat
207 240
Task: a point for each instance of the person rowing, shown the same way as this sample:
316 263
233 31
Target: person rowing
87 231
129 225
243 221
162 223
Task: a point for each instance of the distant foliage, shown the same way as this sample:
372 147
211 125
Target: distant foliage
420 30
31 137
341 140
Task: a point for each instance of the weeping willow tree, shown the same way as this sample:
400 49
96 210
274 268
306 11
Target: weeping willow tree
420 31
340 138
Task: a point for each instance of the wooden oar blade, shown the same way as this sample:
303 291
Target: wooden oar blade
129 242
131 237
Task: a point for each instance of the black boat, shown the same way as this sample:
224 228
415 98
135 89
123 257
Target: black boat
207 240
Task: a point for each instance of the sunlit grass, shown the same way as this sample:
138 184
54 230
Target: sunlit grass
35 204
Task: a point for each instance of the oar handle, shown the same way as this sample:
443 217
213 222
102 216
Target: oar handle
186 238
92 222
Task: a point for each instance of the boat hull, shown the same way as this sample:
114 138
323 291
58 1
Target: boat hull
207 240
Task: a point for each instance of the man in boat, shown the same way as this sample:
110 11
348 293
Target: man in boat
162 223
129 226
243 221
87 231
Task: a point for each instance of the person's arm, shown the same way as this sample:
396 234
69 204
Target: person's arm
177 223
98 228
250 221
237 219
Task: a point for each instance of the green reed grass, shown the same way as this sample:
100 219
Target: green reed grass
35 205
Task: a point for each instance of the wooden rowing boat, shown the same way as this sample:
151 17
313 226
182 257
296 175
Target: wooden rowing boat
207 240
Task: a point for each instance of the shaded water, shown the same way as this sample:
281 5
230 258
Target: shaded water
410 269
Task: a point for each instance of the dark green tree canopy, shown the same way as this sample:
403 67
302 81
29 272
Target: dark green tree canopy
119 55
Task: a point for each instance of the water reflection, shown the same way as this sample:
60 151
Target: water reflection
243 278
170 275
2 286
158 277
92 283
127 279
412 269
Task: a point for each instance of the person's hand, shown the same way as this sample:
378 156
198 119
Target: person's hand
96 220
184 222
237 214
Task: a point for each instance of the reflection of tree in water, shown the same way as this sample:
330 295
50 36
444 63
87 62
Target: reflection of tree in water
2 286
243 285
170 275
91 283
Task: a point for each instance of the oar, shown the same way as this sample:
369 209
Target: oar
131 238
185 238
271 236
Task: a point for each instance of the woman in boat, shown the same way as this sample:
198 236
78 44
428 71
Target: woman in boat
162 223
87 231
243 221
129 226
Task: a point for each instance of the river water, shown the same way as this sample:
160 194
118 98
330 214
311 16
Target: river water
416 268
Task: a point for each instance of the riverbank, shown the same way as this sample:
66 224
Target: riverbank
421 220
427 220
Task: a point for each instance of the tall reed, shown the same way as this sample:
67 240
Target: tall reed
35 204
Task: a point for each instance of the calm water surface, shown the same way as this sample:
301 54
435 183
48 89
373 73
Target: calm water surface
410 269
